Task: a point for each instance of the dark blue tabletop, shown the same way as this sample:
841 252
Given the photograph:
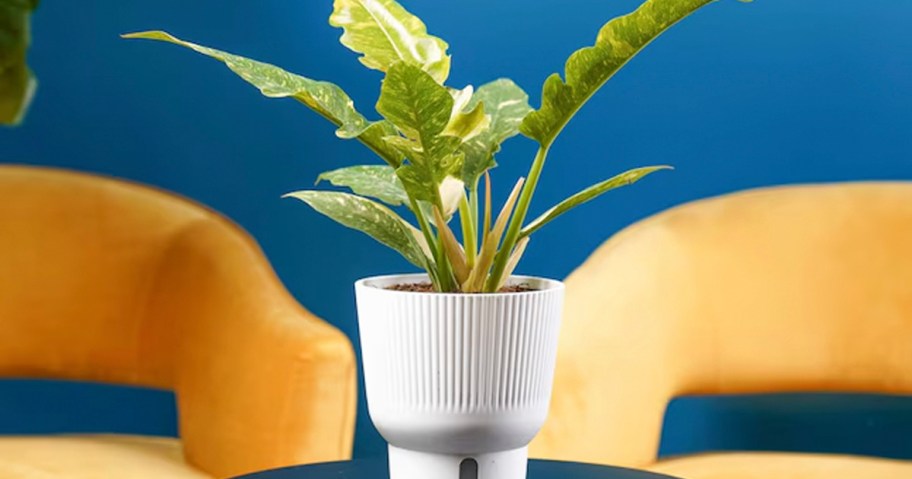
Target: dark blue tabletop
377 469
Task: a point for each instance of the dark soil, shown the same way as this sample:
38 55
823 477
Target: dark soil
429 288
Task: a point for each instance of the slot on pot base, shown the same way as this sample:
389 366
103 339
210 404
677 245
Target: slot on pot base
468 469
405 464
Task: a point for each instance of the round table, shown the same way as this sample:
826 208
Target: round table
377 469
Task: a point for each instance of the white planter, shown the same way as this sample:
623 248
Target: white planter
458 384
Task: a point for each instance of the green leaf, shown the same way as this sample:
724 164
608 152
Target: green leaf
324 98
17 84
373 219
386 34
623 179
417 105
374 136
421 109
589 68
419 183
422 182
506 104
375 181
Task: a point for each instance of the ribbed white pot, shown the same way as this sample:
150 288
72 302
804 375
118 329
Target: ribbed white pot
458 384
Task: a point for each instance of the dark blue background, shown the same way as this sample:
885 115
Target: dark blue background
737 96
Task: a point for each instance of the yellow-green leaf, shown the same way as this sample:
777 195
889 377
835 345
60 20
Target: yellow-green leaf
418 182
385 33
369 217
589 68
626 178
466 125
506 104
375 181
412 101
420 108
325 98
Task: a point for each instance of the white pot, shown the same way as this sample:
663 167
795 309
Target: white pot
458 384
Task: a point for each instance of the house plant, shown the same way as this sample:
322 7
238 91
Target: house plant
458 370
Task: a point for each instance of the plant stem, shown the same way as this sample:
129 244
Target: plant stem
444 271
473 207
468 231
519 216
431 241
448 282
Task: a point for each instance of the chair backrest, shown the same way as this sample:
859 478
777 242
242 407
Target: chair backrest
800 288
111 281
78 258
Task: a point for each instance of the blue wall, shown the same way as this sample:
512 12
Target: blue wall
738 96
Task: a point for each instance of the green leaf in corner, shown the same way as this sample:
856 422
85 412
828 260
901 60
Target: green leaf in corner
589 68
17 84
385 33
325 98
373 219
626 178
506 104
375 181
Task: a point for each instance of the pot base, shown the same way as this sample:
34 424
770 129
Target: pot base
406 464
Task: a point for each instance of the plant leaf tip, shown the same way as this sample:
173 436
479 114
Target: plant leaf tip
144 34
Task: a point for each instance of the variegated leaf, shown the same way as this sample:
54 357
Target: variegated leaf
461 99
375 181
325 98
369 217
589 68
385 33
506 104
466 125
418 182
420 108
626 178
412 101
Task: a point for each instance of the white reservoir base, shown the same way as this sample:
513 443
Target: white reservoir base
406 464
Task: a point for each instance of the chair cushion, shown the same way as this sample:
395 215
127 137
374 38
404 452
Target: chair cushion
93 457
763 465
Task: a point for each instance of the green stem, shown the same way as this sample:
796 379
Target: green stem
448 282
468 231
444 271
519 216
431 241
473 207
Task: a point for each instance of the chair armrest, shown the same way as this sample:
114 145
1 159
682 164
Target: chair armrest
260 381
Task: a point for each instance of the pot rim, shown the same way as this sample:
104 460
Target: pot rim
378 283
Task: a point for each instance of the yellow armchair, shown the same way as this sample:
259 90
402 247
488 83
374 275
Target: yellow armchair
104 280
805 288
